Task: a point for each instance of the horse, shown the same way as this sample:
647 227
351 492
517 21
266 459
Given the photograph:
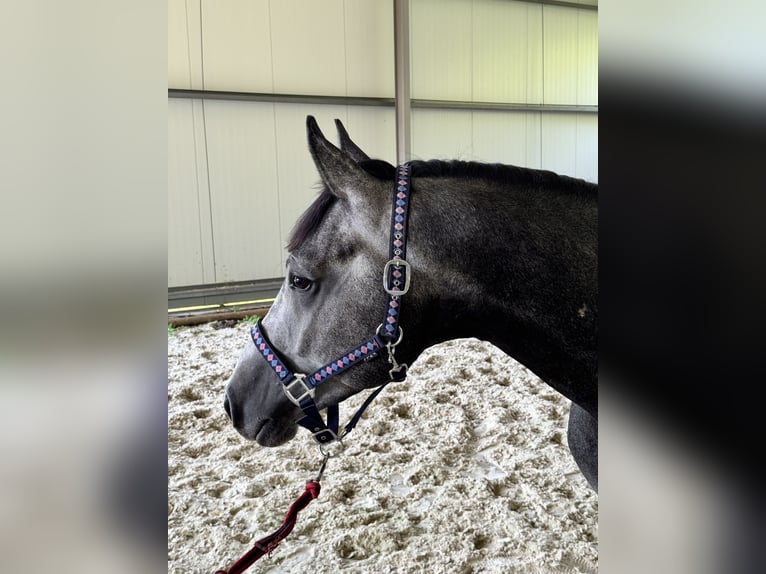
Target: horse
497 252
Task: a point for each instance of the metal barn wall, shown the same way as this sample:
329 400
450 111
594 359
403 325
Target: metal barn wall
239 171
493 52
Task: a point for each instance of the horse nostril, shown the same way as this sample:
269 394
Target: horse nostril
226 407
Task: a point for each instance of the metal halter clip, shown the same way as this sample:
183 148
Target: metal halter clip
306 391
325 458
397 289
333 448
398 370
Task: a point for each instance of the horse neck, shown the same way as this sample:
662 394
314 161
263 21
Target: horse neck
515 266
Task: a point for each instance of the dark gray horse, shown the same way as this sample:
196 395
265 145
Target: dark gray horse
501 253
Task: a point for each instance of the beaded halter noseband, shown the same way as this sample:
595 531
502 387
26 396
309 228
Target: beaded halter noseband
300 388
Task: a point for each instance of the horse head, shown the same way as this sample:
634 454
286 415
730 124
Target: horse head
332 296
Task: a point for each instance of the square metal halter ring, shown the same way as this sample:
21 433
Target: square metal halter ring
306 390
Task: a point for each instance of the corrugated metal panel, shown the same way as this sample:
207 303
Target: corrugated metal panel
185 44
189 238
559 143
441 134
587 56
507 52
238 35
237 45
369 30
374 130
507 137
441 49
560 58
243 186
260 172
193 31
308 47
299 181
570 144
586 165
178 45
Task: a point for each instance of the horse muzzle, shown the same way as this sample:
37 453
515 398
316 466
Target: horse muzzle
273 430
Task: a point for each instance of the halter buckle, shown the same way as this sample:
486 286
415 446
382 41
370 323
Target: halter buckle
304 388
396 289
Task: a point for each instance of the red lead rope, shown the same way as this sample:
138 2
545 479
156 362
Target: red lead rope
269 543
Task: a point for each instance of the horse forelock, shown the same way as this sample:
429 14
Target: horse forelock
309 222
311 219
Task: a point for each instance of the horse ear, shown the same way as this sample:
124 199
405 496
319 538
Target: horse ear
339 171
349 146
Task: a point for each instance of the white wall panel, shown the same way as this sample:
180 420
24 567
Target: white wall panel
488 136
566 143
587 58
261 178
569 146
480 50
559 143
507 52
240 173
184 27
374 130
442 134
586 163
243 187
441 48
507 137
190 252
178 45
535 56
369 31
299 181
560 57
308 47
237 45
194 26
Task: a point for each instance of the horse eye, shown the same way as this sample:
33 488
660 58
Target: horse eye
301 283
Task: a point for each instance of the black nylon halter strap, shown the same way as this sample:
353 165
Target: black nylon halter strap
299 387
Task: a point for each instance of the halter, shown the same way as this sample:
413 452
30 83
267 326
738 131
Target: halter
300 387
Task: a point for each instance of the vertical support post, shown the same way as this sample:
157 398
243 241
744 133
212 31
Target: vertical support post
402 81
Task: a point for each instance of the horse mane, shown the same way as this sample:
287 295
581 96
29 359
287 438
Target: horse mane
502 174
493 172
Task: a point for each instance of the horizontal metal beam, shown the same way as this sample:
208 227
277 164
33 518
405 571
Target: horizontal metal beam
280 98
365 101
501 106
224 294
563 3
